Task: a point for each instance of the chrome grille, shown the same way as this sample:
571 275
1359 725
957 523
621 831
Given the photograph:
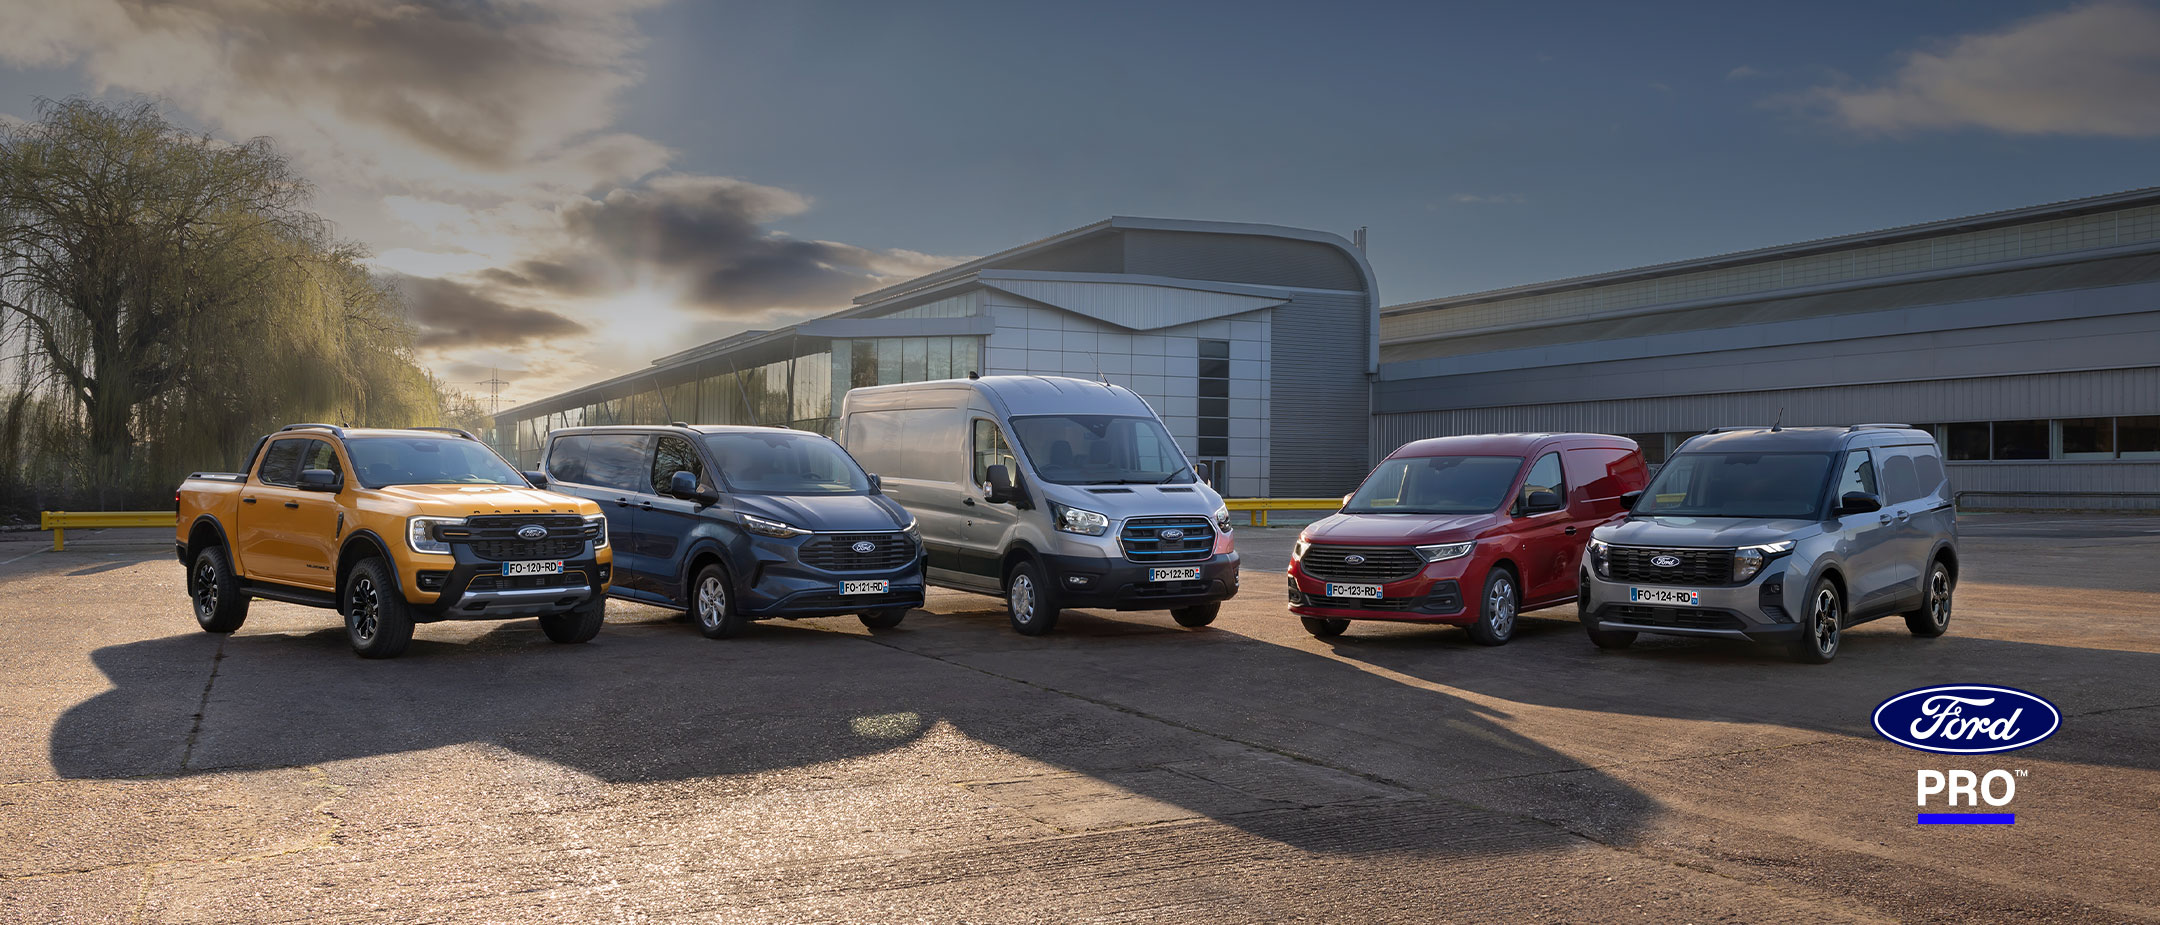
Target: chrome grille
1697 566
1143 540
1329 562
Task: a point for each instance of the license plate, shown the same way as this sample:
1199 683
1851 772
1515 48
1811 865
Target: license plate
1371 592
533 568
865 587
1173 574
1665 596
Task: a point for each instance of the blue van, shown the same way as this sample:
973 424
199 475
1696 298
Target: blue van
735 524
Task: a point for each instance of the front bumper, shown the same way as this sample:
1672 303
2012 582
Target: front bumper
1761 609
1121 584
778 583
475 589
1432 595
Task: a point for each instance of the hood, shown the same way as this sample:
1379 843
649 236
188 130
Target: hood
1399 529
460 500
842 513
1705 531
1121 501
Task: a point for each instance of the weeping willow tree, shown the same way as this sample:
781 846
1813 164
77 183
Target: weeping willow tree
164 298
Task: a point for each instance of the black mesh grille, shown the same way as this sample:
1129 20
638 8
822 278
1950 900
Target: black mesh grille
1379 563
516 550
1144 541
495 536
1695 566
568 579
1676 617
836 552
1361 603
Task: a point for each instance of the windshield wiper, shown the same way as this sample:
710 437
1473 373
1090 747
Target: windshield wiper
1180 471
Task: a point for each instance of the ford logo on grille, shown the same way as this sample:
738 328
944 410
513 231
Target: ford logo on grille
1665 561
1173 534
1353 560
864 547
532 532
1966 719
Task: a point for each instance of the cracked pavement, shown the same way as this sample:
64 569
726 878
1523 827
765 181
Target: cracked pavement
1121 769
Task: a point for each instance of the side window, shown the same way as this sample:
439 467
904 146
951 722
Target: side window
1928 464
1900 482
281 462
320 455
1604 472
1545 476
1859 474
617 461
991 450
674 454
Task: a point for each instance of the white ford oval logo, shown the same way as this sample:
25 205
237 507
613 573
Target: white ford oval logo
1353 560
532 532
1966 719
864 547
1665 561
1173 534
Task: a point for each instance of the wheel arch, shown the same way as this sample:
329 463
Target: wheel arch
363 544
206 532
705 551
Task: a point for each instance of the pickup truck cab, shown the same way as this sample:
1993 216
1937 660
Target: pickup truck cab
390 528
1468 531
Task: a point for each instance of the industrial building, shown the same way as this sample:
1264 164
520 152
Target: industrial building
2027 340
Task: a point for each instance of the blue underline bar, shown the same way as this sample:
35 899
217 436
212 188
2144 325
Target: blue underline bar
1968 818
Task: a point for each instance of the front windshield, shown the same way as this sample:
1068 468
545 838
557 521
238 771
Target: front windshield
384 461
1738 485
781 463
1099 449
1436 485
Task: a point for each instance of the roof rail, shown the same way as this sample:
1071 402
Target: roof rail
1880 427
1728 428
462 432
677 424
335 431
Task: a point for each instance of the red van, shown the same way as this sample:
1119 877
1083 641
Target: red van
1468 531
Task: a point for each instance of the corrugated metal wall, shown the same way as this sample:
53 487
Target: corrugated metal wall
1318 395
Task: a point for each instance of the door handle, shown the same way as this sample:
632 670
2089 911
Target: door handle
295 505
970 502
622 502
1569 531
645 505
247 501
1883 519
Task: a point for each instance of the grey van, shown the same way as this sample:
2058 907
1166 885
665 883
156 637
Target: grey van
1790 534
1050 492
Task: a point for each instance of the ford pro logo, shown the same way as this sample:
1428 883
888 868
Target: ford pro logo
1966 719
532 532
1665 561
864 547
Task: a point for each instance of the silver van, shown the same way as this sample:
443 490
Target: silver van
1051 492
1789 534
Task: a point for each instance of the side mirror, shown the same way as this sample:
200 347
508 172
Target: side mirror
1628 500
1000 487
684 485
537 478
1345 501
320 480
1541 501
877 485
1859 502
1204 472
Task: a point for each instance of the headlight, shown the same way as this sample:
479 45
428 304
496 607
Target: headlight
1075 520
763 527
1747 561
1600 552
1445 551
1222 518
420 533
598 529
913 529
1297 550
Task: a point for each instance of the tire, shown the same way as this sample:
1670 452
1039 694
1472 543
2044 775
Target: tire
1030 600
712 604
1324 629
1196 616
1498 608
579 624
1822 626
378 622
1933 617
1603 639
219 605
883 619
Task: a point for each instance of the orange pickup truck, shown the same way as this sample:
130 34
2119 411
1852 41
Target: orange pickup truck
391 528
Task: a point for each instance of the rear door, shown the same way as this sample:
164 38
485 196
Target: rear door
664 523
270 537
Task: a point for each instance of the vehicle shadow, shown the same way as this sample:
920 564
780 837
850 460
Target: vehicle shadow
1113 721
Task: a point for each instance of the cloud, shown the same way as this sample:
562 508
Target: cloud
2089 70
1487 198
452 314
1743 72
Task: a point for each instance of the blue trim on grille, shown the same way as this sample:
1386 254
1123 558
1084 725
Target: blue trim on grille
1141 538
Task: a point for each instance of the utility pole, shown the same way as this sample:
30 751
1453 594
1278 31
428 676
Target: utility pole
495 382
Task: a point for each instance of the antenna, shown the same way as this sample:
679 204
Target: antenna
1099 377
1776 425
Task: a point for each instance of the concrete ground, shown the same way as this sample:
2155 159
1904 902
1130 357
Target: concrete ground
1122 769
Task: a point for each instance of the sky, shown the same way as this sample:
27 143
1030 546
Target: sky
566 189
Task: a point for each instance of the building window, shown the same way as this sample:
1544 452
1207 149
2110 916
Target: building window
1653 447
1967 441
1213 389
2021 440
2139 437
2088 438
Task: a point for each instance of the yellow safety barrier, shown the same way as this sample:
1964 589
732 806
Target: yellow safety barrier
60 521
1258 508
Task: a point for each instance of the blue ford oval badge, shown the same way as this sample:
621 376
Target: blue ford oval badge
532 532
1966 719
1173 534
